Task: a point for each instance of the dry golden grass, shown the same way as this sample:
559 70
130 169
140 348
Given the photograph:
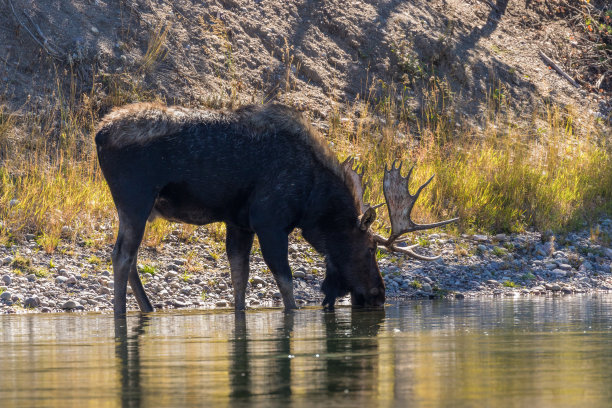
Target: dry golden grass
546 172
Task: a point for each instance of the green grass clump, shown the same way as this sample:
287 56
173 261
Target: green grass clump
147 268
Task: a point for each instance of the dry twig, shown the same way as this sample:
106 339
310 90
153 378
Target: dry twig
558 69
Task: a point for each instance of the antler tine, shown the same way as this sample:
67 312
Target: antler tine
408 251
400 203
416 195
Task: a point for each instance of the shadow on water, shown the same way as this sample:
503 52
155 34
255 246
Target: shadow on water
127 351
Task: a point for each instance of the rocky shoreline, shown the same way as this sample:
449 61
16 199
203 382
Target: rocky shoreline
78 277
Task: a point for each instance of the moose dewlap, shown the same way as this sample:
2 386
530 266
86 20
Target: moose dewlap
261 170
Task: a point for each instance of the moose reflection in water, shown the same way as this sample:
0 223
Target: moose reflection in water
348 357
261 169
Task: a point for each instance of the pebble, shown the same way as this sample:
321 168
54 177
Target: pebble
6 296
60 280
221 303
558 273
299 274
7 280
257 280
7 260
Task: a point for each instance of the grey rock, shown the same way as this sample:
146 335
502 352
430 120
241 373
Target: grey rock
426 287
64 272
45 310
493 282
170 275
558 273
221 303
105 273
178 303
222 286
31 277
71 280
277 295
257 280
70 304
555 288
7 280
32 301
480 238
66 231
299 274
7 260
6 296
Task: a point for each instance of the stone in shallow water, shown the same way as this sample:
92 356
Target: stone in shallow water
221 303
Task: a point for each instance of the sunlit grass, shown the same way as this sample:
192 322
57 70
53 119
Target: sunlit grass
544 170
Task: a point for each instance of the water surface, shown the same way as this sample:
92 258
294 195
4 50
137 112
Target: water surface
540 352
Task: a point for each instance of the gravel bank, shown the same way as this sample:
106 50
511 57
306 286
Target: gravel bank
196 274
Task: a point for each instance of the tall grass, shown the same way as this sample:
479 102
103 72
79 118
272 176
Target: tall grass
543 171
546 171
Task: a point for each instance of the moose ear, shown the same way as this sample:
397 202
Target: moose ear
367 219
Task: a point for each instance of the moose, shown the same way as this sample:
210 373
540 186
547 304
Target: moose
260 169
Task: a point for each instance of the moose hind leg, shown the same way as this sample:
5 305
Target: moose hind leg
274 247
124 259
238 243
138 289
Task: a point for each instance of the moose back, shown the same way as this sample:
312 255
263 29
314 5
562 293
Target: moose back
261 170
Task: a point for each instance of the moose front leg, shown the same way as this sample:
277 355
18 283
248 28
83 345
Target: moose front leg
275 248
238 243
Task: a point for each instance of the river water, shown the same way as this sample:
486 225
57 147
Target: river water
518 352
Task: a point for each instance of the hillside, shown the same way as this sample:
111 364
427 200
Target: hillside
315 53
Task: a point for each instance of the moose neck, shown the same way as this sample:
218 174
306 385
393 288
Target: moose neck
331 213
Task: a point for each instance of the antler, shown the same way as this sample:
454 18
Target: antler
400 203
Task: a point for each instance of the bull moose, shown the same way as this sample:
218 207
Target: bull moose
260 169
